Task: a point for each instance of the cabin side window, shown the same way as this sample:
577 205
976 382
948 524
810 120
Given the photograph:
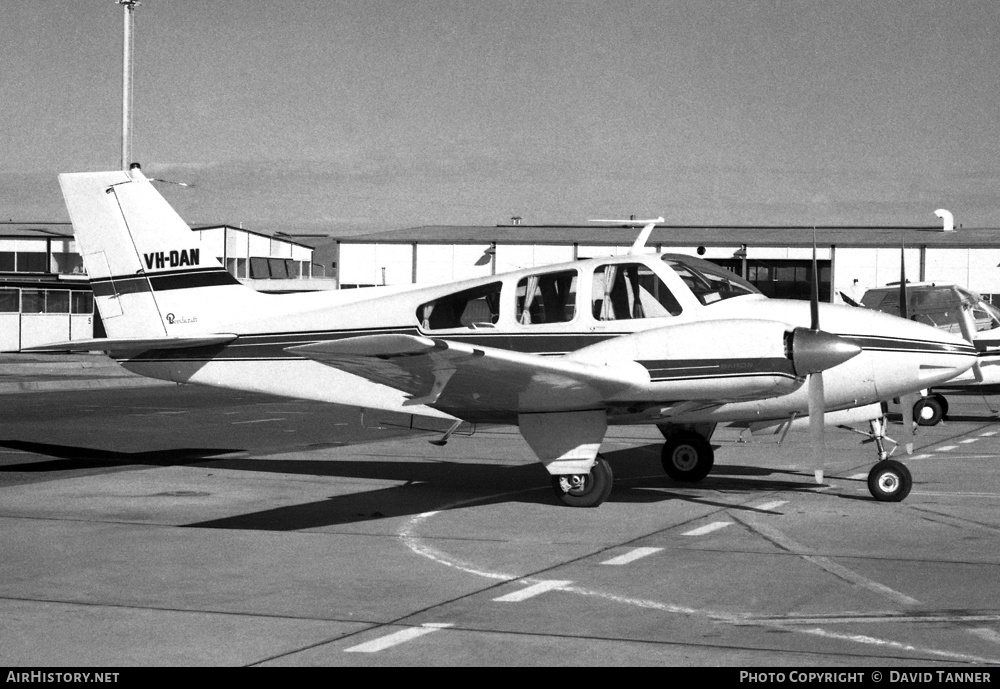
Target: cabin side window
471 308
547 298
630 290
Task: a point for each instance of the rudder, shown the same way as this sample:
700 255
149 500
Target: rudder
149 274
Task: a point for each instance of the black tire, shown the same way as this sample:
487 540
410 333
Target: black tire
928 411
585 490
889 481
687 457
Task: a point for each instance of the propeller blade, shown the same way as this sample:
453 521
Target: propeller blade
814 296
904 309
968 332
817 403
817 439
906 403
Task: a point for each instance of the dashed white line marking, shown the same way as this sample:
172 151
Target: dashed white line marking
708 528
967 441
913 457
768 506
631 556
947 448
855 477
986 633
235 423
395 638
534 590
987 434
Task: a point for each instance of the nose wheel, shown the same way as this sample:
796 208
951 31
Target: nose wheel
585 490
889 481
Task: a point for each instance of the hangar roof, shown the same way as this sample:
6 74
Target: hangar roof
690 235
64 230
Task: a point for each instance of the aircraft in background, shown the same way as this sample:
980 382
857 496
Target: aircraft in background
953 309
561 351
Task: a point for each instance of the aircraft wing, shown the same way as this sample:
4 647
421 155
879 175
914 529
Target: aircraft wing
479 380
107 344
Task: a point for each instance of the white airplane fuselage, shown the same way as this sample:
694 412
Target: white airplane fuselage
896 357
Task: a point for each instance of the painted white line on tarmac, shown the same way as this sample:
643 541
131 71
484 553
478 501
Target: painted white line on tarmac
967 441
826 563
631 556
947 448
708 528
768 506
396 638
857 477
987 434
986 633
887 643
236 423
413 542
533 590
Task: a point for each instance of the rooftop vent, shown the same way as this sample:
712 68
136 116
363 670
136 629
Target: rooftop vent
947 218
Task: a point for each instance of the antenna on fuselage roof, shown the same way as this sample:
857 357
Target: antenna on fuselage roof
640 241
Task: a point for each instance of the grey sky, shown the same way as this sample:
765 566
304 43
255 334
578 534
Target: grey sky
336 116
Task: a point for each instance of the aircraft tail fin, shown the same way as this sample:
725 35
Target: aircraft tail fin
152 277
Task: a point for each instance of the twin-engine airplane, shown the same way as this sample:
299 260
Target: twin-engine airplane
953 309
561 351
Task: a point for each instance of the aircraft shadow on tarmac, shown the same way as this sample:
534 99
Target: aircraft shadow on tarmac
68 457
428 486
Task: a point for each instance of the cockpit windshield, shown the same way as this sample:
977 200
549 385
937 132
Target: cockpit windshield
707 281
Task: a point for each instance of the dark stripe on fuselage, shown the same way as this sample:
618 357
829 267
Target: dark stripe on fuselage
692 369
159 282
271 347
900 344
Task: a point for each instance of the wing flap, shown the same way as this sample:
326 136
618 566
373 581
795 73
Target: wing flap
457 375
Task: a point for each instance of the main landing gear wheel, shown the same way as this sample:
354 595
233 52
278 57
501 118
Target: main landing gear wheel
889 481
928 411
585 490
687 457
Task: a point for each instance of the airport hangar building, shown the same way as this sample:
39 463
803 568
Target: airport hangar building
45 294
777 259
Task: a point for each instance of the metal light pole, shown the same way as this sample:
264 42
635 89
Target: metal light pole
128 71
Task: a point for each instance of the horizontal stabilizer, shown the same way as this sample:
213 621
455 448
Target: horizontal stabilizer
106 344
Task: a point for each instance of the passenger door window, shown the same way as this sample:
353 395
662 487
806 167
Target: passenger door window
630 290
547 298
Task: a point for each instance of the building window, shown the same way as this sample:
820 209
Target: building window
32 301
278 267
7 262
31 262
783 279
66 263
259 269
82 302
56 301
9 301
